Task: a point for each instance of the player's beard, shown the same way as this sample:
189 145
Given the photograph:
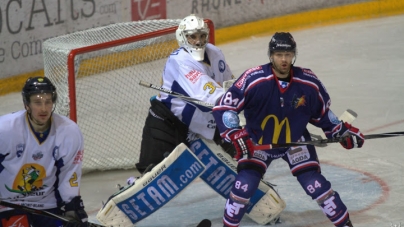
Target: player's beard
282 69
41 121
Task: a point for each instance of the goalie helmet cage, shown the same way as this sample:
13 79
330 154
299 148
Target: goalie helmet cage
96 73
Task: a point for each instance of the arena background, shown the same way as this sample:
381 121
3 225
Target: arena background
360 63
25 25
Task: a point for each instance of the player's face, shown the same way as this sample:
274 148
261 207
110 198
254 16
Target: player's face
41 106
282 61
197 39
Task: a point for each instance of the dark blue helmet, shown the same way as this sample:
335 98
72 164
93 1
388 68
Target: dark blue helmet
282 41
37 85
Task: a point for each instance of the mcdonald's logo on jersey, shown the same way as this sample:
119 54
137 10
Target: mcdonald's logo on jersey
278 126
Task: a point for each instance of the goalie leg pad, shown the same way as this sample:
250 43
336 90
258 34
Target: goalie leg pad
166 180
265 204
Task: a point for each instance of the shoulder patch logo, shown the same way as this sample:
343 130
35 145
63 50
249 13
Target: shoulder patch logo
20 149
79 157
230 119
221 66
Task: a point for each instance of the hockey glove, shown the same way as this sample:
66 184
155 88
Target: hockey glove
243 144
351 136
74 211
226 146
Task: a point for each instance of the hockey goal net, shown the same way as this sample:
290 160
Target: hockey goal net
97 73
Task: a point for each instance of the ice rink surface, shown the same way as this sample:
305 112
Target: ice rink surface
362 66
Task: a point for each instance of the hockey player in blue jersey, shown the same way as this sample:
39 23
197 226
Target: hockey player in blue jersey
279 100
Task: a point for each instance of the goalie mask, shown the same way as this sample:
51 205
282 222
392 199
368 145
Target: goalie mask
192 34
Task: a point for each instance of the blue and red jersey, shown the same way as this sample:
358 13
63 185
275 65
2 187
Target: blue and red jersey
276 111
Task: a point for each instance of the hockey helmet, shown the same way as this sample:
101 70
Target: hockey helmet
282 41
188 26
37 85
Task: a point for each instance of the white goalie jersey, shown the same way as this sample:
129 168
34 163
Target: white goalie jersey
200 80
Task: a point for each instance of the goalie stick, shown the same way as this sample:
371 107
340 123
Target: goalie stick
348 116
325 141
178 95
203 223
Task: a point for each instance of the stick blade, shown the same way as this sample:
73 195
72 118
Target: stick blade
205 223
348 116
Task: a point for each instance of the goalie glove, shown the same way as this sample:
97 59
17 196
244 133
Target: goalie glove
351 137
74 211
243 144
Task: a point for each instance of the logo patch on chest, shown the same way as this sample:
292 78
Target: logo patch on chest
298 101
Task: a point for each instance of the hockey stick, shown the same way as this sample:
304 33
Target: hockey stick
348 116
176 94
43 213
325 141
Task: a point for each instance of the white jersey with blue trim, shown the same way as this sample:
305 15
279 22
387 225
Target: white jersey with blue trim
35 174
202 80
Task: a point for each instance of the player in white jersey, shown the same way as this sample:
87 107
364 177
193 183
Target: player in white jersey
197 69
41 156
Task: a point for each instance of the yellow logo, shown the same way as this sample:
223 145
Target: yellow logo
277 129
29 179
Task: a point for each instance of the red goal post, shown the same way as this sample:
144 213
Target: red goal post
97 72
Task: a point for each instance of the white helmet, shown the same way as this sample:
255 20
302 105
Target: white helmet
190 25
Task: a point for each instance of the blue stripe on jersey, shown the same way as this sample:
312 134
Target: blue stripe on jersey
2 157
177 88
58 164
187 114
204 109
167 101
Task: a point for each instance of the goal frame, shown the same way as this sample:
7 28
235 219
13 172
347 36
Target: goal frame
73 53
